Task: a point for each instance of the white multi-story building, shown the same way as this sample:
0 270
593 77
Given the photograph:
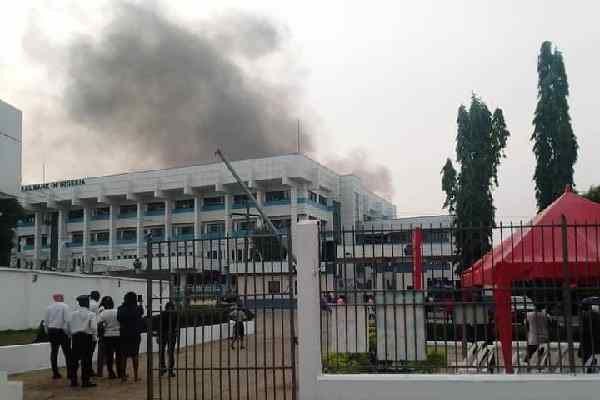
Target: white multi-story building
107 218
10 150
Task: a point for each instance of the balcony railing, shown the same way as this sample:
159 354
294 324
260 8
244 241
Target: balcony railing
74 244
99 243
213 207
238 206
100 217
150 213
185 236
126 241
183 210
213 235
27 247
280 202
74 219
131 214
26 223
243 233
301 200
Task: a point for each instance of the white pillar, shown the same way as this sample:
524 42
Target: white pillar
140 229
86 224
198 224
228 199
60 255
293 207
306 249
37 239
112 231
168 219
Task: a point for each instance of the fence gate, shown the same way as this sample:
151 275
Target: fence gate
225 308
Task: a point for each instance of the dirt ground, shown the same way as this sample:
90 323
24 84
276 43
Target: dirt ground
205 372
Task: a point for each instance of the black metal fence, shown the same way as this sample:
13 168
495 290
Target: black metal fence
224 329
513 298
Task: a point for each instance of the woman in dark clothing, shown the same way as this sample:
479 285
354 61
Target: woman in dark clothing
129 316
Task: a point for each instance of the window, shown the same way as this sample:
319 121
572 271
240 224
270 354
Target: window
100 236
156 231
213 201
44 241
127 234
128 209
76 214
313 196
274 287
183 230
278 195
101 211
184 204
322 200
156 206
241 199
436 236
77 237
215 227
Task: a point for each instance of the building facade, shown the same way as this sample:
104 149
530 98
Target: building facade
107 219
10 149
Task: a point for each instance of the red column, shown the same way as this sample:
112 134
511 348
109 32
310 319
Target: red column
502 294
417 256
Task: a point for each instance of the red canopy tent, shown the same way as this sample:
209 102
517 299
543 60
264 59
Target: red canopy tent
535 252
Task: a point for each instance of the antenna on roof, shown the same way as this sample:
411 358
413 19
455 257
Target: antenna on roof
298 140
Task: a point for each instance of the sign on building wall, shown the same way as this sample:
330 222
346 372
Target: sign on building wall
53 185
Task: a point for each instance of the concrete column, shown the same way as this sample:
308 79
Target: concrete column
293 207
168 219
140 229
37 239
61 239
112 230
260 200
86 233
306 249
198 225
228 201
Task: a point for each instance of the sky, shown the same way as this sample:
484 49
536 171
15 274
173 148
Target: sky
378 82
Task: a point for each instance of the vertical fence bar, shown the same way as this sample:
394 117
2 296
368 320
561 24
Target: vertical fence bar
149 357
567 293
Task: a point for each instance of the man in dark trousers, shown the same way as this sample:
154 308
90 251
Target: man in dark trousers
82 326
55 322
167 336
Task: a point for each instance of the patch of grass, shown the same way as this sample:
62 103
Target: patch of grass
11 337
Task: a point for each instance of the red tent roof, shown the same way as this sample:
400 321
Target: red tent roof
535 251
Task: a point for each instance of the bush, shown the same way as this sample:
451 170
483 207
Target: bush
347 363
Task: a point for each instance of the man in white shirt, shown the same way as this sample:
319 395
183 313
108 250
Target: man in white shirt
82 326
537 323
95 308
55 322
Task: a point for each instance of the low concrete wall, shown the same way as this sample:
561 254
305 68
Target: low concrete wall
30 357
27 293
456 387
10 390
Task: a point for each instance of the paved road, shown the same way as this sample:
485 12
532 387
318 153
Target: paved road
205 372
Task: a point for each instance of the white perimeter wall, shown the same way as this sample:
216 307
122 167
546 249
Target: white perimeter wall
25 294
30 357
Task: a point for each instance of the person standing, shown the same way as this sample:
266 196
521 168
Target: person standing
95 307
129 316
238 316
109 339
167 337
82 327
536 323
57 315
137 265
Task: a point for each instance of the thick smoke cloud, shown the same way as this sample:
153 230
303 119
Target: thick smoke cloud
376 176
176 94
157 93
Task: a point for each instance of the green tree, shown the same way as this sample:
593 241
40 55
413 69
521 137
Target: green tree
593 194
480 142
10 212
554 143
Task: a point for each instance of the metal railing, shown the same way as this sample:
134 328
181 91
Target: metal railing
530 305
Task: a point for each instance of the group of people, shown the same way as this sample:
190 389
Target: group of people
95 323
